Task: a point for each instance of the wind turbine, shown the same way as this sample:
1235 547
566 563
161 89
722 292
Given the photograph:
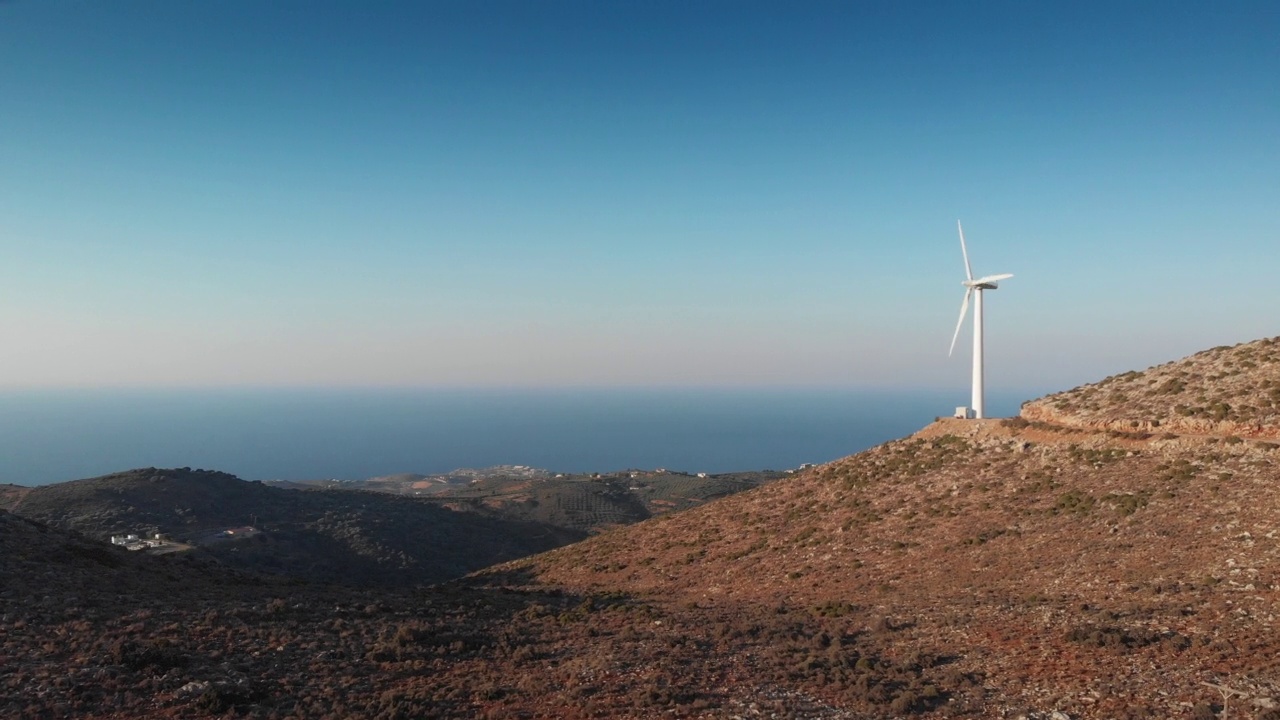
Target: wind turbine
974 288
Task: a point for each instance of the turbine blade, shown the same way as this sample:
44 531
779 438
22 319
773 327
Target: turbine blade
968 272
964 308
992 278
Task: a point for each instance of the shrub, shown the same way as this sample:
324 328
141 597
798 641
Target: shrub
1076 501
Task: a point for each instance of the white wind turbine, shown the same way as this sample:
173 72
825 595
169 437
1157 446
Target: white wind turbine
974 289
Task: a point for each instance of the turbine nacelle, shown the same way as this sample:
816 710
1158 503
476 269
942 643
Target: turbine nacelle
990 282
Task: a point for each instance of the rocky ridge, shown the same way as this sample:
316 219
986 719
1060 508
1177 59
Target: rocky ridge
1225 391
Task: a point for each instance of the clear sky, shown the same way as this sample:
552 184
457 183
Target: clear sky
551 193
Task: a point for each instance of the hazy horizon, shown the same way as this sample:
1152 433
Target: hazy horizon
54 436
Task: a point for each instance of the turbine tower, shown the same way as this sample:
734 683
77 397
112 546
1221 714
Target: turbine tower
974 288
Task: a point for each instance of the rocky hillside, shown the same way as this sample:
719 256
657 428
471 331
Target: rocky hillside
978 569
11 495
327 536
1016 567
592 503
335 533
1223 391
577 502
53 570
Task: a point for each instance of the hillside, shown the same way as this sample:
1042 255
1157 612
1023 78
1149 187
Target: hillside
88 630
328 535
977 569
1222 391
10 495
592 503
1038 568
577 502
51 570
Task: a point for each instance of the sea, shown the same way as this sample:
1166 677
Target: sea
49 436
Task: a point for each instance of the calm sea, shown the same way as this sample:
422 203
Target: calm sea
51 436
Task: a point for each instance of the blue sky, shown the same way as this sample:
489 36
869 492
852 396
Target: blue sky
255 193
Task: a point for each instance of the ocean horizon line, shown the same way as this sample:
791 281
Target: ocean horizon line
353 435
